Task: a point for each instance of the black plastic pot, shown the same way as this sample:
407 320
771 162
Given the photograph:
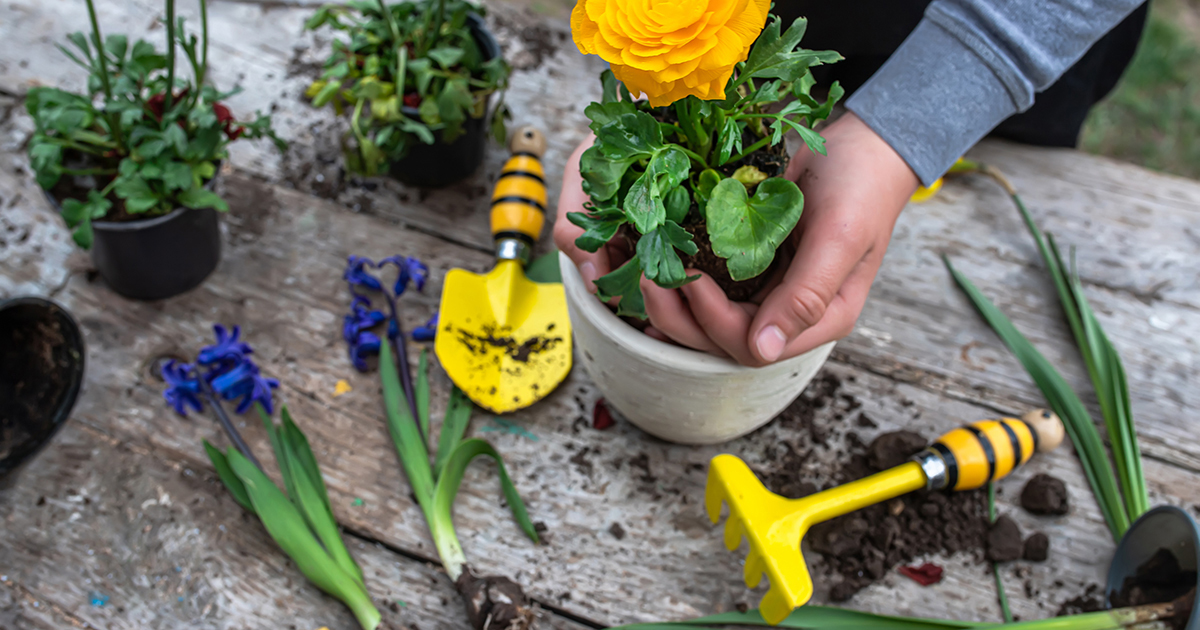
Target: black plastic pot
1165 527
159 257
440 164
41 371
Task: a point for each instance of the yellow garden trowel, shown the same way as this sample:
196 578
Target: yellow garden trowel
502 338
963 459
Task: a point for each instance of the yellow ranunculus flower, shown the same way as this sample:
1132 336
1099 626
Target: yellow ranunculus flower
669 49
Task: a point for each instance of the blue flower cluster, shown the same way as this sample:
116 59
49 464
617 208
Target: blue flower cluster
358 324
225 368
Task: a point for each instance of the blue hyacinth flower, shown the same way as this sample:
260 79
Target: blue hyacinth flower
357 275
227 349
361 318
245 381
412 271
364 345
427 332
183 386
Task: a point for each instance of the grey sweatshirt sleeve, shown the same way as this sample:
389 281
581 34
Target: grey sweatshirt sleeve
969 65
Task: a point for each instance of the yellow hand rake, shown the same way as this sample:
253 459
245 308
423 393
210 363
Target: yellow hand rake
965 458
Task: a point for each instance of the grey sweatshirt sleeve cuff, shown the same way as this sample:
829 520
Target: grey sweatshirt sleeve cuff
936 97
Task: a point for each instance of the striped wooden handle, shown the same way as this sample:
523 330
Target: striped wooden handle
991 449
519 200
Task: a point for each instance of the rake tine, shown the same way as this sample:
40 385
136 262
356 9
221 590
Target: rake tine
714 496
734 528
774 606
752 573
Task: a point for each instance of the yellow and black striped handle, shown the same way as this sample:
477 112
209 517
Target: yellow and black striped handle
519 200
988 450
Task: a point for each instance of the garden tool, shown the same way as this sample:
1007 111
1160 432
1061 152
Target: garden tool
965 458
503 339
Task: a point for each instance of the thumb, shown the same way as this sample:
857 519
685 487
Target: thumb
814 277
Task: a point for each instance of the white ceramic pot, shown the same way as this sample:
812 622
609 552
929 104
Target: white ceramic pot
677 394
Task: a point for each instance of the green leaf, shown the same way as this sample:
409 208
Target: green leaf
609 84
117 45
150 149
729 142
453 104
287 528
414 457
452 474
747 230
599 227
446 56
659 261
231 481
46 160
813 617
1062 400
422 71
603 113
430 112
545 269
176 137
421 392
630 135
83 235
326 93
705 184
678 203
81 43
177 176
454 426
201 198
644 204
601 174
775 57
624 283
749 176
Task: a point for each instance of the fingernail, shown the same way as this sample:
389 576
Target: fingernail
770 343
588 271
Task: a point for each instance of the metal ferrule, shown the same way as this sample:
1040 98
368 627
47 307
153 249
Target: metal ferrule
513 249
934 468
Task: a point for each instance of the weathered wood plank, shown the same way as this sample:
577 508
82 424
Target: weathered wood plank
157 535
280 279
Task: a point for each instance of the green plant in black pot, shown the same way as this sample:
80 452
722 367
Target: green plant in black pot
130 161
430 130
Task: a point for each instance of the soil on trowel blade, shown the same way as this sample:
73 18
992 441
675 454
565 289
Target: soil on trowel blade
494 602
1158 581
866 545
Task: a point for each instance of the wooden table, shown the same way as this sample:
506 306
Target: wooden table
124 503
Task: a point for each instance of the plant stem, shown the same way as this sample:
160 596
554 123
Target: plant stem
203 46
395 333
227 424
114 122
693 155
1000 593
170 59
762 142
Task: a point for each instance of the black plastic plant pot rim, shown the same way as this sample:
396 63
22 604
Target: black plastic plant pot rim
19 456
1164 527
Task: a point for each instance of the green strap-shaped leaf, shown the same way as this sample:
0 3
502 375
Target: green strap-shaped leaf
231 481
287 528
414 457
1063 401
813 617
746 230
452 474
277 447
454 425
422 393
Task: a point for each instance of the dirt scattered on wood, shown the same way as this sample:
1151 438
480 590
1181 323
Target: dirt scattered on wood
1004 540
1091 600
1045 495
1036 547
494 602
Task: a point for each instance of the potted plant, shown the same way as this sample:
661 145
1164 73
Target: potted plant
430 131
130 163
690 177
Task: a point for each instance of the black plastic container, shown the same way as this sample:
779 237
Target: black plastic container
1163 528
41 371
440 164
159 257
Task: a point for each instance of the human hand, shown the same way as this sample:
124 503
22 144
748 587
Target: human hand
852 198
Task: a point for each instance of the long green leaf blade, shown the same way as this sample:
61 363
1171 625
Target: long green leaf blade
452 474
287 528
277 446
1063 401
811 617
307 462
454 425
232 483
422 394
311 499
403 428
